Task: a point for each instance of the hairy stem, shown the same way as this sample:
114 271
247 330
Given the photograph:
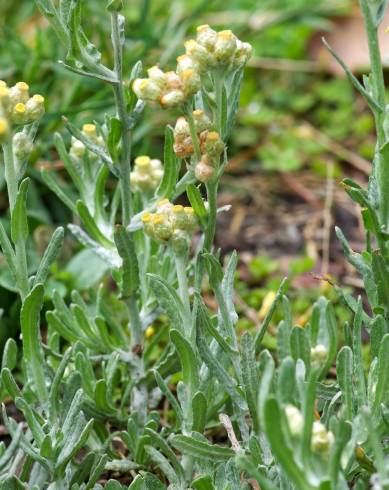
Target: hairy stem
378 88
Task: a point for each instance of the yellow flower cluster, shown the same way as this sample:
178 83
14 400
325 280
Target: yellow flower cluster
78 149
147 174
210 50
171 223
168 88
17 107
213 49
211 145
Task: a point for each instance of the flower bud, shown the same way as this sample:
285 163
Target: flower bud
181 129
204 172
185 62
164 206
18 115
157 75
243 53
147 174
191 81
148 224
214 146
4 130
35 108
173 81
77 150
321 438
19 93
202 121
146 89
295 420
206 36
199 54
172 99
191 218
22 145
225 46
319 354
162 227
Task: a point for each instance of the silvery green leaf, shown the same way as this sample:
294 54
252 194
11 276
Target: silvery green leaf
169 301
8 251
171 166
344 373
49 256
130 269
108 255
32 345
202 450
250 376
19 225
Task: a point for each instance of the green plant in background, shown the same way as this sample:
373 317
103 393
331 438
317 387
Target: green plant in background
136 379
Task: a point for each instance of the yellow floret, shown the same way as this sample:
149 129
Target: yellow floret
22 86
146 218
150 331
20 108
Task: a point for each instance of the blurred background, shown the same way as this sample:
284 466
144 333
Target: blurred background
301 128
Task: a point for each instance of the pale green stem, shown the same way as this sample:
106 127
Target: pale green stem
20 245
125 164
378 87
182 279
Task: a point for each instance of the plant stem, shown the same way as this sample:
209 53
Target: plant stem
20 245
212 188
125 163
180 260
378 88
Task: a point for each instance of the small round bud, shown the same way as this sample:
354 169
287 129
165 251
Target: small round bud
191 218
164 206
206 36
172 99
19 93
191 81
204 172
148 224
173 81
181 129
4 130
319 354
295 420
225 46
162 227
35 108
146 89
185 62
214 146
157 75
202 121
243 53
321 438
89 130
142 164
77 150
199 54
19 113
